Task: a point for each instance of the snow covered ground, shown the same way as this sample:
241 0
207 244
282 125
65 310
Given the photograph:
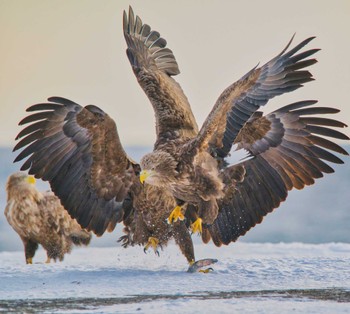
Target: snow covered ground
249 278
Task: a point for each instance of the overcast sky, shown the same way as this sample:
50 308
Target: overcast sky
76 49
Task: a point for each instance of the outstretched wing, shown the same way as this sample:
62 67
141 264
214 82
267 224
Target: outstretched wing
154 64
240 100
79 152
288 153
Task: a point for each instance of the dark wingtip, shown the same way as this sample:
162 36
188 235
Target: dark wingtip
61 100
125 22
95 109
289 43
17 147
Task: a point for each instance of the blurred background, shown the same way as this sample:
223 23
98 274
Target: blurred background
76 49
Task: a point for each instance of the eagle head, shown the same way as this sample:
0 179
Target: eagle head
19 182
158 168
20 178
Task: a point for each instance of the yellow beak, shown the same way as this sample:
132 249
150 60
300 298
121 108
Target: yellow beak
143 176
31 180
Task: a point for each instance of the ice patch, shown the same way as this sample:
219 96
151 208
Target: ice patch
306 277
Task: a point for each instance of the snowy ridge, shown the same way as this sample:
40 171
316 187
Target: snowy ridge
117 279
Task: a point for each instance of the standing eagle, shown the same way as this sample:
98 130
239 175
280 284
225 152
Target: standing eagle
185 184
39 218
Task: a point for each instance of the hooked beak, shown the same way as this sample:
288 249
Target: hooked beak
143 176
31 180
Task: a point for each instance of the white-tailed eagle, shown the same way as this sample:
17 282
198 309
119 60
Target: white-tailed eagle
39 218
186 182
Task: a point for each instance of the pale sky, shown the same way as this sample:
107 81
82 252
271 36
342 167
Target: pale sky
76 49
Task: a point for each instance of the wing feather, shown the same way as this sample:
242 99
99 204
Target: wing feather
289 159
153 65
238 102
79 152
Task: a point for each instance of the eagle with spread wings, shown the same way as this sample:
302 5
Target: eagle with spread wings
185 185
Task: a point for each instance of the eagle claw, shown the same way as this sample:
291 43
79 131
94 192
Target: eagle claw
205 271
125 241
152 242
175 215
197 226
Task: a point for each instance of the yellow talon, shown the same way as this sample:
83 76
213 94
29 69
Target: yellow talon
175 215
29 260
152 242
205 271
48 260
197 226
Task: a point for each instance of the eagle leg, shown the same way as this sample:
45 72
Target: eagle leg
197 266
30 248
197 226
152 242
184 241
48 260
175 215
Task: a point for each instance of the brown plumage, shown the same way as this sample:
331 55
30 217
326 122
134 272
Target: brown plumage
79 152
39 218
